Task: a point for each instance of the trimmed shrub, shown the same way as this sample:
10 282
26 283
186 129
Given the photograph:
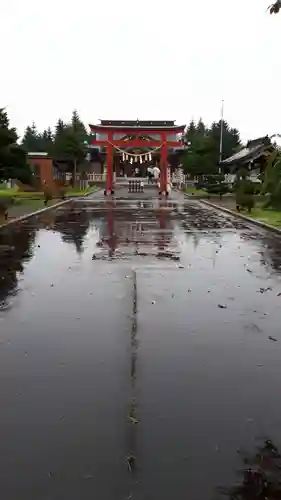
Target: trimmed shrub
5 203
219 188
257 187
200 185
48 195
62 192
244 200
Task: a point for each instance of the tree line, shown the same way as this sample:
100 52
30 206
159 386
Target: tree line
275 7
13 162
68 142
203 152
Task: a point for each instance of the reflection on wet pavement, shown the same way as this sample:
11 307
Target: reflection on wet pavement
139 349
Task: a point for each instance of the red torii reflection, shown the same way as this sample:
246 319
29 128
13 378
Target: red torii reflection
164 236
109 235
112 239
112 228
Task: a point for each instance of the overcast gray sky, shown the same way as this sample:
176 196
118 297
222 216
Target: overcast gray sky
153 59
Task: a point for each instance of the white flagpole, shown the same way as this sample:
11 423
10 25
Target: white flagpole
221 135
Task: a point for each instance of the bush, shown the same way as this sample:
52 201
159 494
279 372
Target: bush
5 203
48 195
236 186
248 187
62 190
244 200
257 187
200 185
218 188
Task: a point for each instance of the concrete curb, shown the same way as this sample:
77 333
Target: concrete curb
43 210
255 222
83 195
33 214
99 190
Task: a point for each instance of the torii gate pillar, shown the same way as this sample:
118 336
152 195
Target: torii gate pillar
109 172
164 168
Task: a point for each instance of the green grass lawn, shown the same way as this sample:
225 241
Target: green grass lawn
272 217
40 195
23 207
269 216
81 192
20 194
20 203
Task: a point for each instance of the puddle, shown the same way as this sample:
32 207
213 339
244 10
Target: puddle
113 345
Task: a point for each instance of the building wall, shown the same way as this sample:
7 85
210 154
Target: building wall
95 167
45 168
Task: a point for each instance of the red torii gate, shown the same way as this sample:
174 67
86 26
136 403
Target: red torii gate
121 135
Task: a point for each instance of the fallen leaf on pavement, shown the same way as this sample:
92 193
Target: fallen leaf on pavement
133 420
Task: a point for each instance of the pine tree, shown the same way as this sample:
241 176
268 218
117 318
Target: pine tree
50 136
272 181
191 131
58 142
46 141
231 139
13 164
31 139
203 155
60 128
275 7
78 127
69 141
200 128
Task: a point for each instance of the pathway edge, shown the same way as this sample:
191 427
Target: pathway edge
33 214
256 222
43 210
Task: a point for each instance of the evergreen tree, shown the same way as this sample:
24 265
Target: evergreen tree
191 131
199 160
203 155
46 141
69 138
69 141
200 128
72 145
272 181
59 138
60 129
78 126
50 136
231 139
13 164
31 139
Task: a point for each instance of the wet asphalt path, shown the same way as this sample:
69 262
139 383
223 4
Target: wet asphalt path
136 334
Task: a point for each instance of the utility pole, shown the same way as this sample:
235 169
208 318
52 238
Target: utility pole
74 172
221 134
